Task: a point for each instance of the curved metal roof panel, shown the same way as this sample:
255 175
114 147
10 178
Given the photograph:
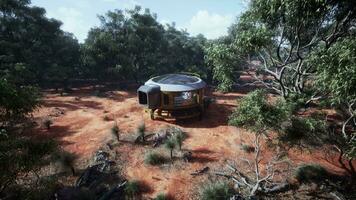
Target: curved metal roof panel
177 82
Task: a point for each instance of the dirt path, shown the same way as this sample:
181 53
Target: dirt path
82 129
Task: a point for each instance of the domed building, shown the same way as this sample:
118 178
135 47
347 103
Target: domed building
173 96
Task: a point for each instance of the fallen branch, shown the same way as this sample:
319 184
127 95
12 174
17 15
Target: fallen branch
200 171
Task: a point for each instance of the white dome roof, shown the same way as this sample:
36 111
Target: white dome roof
177 82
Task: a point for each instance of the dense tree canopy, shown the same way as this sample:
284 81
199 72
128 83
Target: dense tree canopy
133 45
281 34
34 50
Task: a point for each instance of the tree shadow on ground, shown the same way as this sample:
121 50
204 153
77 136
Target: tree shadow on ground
202 155
215 115
73 105
112 92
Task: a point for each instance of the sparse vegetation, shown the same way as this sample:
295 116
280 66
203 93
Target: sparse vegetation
161 197
47 123
132 188
301 52
179 138
307 173
170 144
65 160
115 131
216 191
297 132
247 148
153 158
141 132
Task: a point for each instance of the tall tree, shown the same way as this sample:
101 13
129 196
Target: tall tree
283 33
134 45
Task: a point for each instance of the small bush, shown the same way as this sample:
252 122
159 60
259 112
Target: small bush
141 130
216 191
65 160
247 148
115 131
310 173
132 188
256 113
106 118
47 123
161 197
170 144
300 130
179 138
154 158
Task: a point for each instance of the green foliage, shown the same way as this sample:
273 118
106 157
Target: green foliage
247 148
161 197
115 131
249 37
16 102
336 70
310 173
170 144
132 188
300 130
153 158
224 62
283 34
20 155
257 114
141 131
134 45
44 189
34 48
179 137
216 191
65 160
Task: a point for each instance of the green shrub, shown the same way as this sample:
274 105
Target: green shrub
132 188
307 173
16 102
154 158
170 144
115 131
216 191
256 113
179 138
247 148
19 155
301 130
161 197
141 130
65 160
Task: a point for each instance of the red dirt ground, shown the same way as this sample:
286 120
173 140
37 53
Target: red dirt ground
82 130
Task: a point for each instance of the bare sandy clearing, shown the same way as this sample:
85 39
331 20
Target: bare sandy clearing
82 129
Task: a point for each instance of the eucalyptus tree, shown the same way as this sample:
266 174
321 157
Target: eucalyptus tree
133 45
336 78
34 51
282 34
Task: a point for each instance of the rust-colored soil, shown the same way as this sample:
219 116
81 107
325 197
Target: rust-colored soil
82 129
